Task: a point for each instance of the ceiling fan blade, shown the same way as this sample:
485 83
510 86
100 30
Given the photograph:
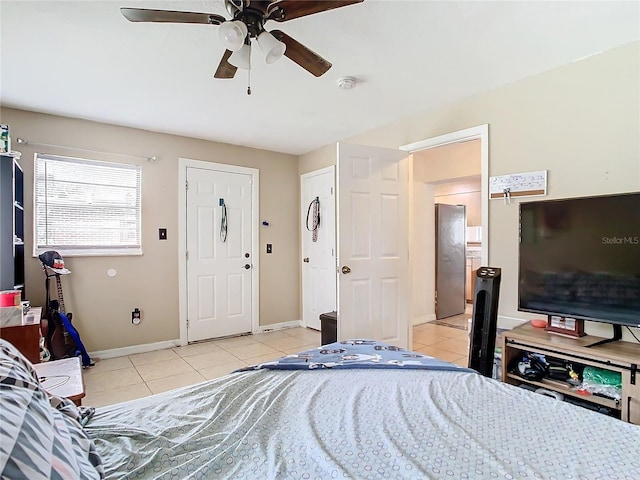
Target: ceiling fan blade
283 10
170 16
298 53
225 69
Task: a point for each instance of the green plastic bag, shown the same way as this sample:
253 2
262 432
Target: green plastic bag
602 376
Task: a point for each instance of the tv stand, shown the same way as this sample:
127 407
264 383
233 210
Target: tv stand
619 356
617 335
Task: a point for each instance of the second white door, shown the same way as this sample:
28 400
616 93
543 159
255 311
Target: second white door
219 253
318 247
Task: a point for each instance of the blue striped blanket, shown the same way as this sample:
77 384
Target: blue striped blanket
360 353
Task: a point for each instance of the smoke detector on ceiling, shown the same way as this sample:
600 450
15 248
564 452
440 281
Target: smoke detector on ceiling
346 83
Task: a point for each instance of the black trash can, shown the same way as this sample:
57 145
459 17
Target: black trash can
328 327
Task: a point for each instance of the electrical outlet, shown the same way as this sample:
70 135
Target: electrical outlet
135 316
162 233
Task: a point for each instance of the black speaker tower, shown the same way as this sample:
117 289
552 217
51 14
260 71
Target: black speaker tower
484 320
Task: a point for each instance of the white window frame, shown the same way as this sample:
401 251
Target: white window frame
80 248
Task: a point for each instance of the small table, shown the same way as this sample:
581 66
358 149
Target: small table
62 378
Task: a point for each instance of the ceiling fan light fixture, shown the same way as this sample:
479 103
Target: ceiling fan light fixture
232 34
273 49
241 58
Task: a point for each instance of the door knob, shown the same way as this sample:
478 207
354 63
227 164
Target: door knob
247 266
346 269
305 259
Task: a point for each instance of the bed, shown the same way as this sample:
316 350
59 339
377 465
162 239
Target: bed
358 409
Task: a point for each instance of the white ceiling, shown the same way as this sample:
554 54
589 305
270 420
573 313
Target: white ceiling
83 59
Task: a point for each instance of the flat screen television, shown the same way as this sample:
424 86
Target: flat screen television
580 258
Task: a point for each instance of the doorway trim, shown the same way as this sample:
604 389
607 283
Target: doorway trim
481 132
183 165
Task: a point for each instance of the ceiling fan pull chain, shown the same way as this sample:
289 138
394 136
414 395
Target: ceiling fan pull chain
249 83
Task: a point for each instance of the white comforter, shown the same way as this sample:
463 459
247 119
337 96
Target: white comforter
361 424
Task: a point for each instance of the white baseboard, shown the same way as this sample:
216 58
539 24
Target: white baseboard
133 349
503 322
150 347
424 319
279 326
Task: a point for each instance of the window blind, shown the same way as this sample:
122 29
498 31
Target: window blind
86 207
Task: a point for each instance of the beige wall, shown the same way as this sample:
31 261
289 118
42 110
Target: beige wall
581 122
320 158
462 192
102 305
422 245
454 169
447 162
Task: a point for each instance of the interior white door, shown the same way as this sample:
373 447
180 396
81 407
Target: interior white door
318 253
219 279
373 245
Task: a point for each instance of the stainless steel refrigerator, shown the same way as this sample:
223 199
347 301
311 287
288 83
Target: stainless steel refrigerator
450 260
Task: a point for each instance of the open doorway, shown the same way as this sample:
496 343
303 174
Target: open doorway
466 191
441 173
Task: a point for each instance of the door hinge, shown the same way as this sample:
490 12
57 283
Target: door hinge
331 190
187 323
186 185
186 255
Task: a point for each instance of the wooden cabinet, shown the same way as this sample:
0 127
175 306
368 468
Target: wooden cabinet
473 264
25 338
11 223
619 356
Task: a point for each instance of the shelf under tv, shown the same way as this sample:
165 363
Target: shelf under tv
566 389
619 356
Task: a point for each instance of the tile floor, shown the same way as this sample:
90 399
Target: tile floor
119 379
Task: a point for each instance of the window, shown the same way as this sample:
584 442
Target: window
85 207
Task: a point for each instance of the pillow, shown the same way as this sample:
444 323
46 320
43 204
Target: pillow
40 435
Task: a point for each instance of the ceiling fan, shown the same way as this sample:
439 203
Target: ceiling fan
247 24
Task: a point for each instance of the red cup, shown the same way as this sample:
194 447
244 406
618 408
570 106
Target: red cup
10 298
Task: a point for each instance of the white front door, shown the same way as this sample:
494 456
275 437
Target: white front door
219 253
373 246
318 248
